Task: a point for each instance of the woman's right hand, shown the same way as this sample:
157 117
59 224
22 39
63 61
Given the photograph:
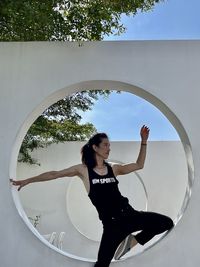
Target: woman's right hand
20 183
144 133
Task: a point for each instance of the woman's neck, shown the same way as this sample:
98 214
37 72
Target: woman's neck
101 168
100 163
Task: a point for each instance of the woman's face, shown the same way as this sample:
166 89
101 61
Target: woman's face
103 149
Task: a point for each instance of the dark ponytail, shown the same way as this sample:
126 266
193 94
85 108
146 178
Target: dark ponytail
87 151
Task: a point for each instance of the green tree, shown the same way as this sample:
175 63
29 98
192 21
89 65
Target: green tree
35 20
63 20
60 122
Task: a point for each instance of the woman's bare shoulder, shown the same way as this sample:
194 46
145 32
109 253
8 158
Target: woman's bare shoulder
115 167
81 166
82 169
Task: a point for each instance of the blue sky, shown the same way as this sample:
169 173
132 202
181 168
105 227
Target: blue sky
121 116
169 20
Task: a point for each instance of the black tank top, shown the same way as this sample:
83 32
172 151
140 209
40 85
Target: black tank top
104 193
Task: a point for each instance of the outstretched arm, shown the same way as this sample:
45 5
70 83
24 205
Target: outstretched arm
47 176
139 164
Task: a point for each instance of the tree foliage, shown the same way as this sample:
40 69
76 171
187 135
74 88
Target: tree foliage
64 20
34 20
60 122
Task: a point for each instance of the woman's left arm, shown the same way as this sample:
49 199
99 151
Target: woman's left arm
139 164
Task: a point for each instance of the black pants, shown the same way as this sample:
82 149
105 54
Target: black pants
126 222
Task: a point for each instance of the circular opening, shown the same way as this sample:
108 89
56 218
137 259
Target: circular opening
99 85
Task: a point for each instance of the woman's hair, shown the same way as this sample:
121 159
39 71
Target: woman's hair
87 151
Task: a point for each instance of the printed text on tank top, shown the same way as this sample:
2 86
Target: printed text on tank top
104 193
107 178
103 171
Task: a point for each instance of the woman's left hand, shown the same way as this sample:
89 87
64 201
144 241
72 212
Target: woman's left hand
144 133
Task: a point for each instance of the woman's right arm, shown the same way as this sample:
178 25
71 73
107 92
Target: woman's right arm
47 176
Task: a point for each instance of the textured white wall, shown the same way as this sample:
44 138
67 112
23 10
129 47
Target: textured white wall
33 75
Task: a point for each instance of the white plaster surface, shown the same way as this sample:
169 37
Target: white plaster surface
34 75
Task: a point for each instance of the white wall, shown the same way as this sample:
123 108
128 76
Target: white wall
33 75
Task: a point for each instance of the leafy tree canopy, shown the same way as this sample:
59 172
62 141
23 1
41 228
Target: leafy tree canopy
35 20
60 122
63 20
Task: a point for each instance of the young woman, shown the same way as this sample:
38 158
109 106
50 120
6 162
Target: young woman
118 217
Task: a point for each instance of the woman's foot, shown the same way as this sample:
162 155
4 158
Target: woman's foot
125 246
